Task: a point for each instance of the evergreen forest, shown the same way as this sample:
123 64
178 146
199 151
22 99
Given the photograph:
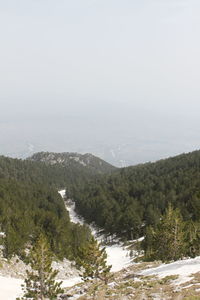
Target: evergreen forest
30 205
153 200
132 202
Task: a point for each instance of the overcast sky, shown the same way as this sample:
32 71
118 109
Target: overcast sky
75 74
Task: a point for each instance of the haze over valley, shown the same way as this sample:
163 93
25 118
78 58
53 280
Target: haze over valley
120 81
120 133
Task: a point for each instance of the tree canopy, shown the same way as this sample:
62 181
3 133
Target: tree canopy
129 200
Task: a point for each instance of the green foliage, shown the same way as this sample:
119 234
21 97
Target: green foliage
93 261
192 233
172 238
131 199
30 205
129 202
40 282
167 241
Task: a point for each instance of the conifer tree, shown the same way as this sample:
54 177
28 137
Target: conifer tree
193 238
167 240
93 261
40 283
148 243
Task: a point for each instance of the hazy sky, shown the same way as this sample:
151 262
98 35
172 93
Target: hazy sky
75 75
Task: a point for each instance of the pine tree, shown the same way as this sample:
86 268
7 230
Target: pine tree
40 283
93 261
149 243
193 238
167 240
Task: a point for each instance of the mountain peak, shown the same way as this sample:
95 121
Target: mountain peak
86 160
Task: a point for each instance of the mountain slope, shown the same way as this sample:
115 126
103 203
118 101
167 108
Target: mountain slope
29 200
90 162
132 198
30 205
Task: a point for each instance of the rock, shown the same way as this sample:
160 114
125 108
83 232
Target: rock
65 296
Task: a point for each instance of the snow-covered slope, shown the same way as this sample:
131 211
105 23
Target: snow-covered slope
183 268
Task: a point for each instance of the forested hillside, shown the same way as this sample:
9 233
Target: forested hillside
131 199
30 204
129 202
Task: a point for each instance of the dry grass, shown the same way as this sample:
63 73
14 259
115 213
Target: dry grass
126 284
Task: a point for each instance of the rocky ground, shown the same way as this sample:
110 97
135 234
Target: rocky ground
129 283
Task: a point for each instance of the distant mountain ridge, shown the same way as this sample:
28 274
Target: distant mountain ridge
67 159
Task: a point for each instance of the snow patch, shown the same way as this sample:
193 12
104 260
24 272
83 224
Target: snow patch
62 193
183 268
118 257
10 288
71 281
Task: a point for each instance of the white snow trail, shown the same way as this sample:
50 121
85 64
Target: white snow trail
117 255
